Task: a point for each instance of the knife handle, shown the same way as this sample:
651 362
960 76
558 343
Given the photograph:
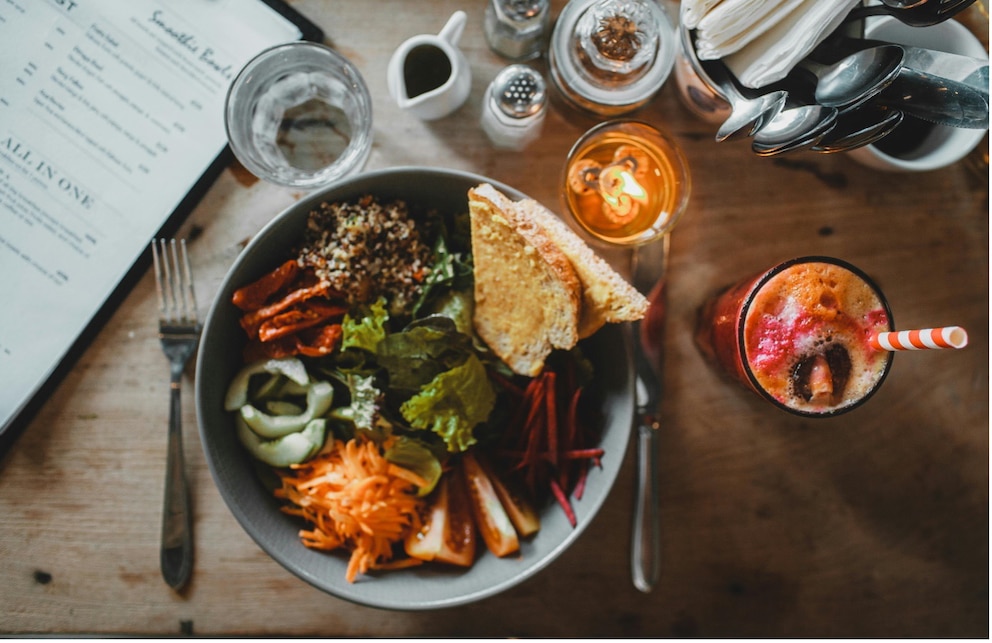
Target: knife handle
646 546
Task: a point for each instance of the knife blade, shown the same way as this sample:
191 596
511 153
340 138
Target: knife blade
649 270
936 99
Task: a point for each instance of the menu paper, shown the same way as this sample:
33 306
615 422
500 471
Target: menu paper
110 112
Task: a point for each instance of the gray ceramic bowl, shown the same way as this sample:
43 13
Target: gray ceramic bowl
427 586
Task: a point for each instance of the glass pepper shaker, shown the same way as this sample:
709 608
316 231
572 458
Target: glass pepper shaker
610 57
515 28
514 107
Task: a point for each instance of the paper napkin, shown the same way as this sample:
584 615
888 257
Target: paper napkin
769 56
732 24
694 10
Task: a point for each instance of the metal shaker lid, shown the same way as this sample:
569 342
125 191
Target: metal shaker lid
519 91
519 10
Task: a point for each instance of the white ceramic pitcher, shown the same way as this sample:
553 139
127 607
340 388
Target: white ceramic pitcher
428 75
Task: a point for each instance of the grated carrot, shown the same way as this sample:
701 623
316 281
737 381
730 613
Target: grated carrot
353 498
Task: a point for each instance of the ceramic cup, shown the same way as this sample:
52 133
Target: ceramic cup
428 74
937 145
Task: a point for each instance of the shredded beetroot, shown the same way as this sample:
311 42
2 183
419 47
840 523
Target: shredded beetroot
563 501
545 442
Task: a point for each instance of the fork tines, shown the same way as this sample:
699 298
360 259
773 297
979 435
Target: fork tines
174 281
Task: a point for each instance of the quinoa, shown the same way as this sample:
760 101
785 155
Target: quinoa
365 250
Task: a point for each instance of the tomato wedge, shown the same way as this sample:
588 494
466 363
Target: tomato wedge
424 543
458 544
490 517
521 513
446 534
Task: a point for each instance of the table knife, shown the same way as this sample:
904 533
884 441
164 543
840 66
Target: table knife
937 100
649 277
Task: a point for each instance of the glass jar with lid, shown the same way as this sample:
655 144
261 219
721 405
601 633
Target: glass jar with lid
610 57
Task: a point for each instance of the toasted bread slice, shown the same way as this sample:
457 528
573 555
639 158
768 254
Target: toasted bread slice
527 294
606 296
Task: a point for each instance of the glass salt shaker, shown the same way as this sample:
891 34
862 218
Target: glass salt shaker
610 57
515 28
514 107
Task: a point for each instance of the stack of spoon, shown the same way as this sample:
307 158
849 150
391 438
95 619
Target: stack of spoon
850 92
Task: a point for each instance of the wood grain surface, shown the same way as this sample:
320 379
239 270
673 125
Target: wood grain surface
873 524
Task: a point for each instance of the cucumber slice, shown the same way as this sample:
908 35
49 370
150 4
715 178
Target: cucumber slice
289 449
237 392
319 398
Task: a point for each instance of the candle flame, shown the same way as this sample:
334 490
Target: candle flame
621 192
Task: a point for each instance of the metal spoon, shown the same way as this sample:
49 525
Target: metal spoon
966 69
914 14
795 128
748 114
858 128
857 77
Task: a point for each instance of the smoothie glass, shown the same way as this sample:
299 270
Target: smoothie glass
799 335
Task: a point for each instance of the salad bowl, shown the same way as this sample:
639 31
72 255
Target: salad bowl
241 482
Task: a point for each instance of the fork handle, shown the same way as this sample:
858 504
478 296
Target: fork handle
176 555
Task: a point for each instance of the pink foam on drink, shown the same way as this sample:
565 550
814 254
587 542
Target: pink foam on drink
819 312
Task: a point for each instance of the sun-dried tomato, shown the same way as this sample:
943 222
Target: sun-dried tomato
288 312
319 340
254 295
303 316
252 321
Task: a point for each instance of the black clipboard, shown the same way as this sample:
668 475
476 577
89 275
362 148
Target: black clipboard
18 423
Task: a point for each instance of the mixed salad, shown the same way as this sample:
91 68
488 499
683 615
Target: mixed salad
394 432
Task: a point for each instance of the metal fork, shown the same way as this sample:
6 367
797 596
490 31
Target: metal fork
914 14
179 333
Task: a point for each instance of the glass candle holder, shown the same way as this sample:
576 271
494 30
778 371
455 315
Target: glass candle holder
625 183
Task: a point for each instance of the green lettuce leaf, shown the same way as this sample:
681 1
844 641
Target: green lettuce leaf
451 270
452 404
368 331
410 453
416 356
457 305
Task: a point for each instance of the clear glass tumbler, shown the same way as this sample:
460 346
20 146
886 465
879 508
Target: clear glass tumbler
299 115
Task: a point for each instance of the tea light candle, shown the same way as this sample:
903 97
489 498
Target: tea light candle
625 182
616 185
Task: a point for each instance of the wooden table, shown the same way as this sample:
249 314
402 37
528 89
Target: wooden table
874 524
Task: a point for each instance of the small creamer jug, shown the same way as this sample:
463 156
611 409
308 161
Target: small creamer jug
428 74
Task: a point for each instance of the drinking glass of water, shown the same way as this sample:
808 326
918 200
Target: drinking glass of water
299 115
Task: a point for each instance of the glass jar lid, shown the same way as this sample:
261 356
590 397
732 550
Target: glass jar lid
612 56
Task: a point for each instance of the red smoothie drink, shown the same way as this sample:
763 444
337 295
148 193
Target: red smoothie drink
798 334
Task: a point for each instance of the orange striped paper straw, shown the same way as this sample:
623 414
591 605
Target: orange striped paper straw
915 340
